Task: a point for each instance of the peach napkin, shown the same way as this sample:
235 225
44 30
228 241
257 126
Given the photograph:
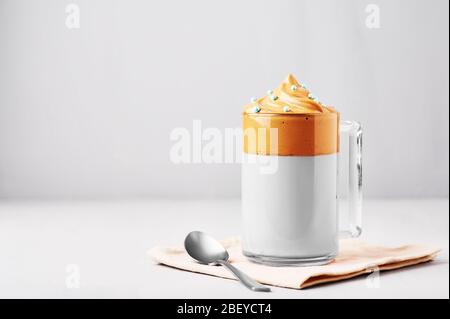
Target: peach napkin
355 258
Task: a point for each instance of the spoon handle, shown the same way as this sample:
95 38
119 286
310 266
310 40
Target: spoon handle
246 280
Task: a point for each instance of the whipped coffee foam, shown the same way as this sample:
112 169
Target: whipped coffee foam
290 97
305 126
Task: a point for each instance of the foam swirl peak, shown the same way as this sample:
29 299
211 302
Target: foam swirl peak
290 97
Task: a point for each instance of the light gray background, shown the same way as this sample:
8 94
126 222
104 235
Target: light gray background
87 112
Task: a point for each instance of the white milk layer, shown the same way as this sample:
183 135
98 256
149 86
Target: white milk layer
291 213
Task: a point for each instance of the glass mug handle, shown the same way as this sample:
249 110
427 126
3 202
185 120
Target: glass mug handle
349 179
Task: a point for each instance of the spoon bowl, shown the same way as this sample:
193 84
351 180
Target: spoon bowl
207 250
204 248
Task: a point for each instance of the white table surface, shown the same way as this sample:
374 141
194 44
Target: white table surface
107 241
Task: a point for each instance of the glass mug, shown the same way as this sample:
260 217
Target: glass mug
296 214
